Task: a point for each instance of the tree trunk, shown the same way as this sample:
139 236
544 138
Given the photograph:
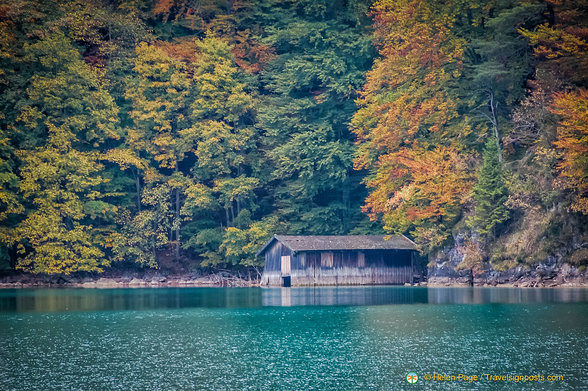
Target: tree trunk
494 121
177 249
177 222
345 202
138 187
12 257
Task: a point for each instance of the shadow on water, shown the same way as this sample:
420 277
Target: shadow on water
58 300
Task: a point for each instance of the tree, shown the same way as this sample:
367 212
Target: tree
322 52
560 48
11 207
66 114
142 235
240 245
572 139
498 61
162 133
223 183
61 183
410 135
489 194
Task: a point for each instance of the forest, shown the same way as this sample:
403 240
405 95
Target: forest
139 133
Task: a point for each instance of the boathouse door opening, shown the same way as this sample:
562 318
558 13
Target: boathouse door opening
287 281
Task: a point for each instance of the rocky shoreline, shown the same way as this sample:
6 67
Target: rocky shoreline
552 272
544 275
125 280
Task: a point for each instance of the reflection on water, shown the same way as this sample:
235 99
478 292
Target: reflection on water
506 295
57 300
343 296
54 300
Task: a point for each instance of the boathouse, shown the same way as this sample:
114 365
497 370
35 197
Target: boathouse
338 260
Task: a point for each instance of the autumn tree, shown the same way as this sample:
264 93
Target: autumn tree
66 113
572 139
61 183
409 132
560 47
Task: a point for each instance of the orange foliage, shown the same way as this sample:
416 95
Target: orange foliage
162 7
564 43
562 49
407 125
572 139
183 49
417 184
404 93
249 55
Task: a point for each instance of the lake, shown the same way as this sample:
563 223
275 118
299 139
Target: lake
345 338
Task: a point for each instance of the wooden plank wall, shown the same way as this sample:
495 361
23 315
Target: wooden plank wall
273 263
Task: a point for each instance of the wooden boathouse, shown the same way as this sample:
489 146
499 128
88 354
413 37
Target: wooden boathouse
338 260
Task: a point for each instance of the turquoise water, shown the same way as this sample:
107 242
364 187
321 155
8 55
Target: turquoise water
362 338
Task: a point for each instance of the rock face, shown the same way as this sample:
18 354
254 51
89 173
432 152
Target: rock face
442 271
554 271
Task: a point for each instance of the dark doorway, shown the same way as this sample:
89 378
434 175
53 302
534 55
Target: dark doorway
287 281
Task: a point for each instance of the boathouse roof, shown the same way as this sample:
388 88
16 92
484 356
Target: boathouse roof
348 242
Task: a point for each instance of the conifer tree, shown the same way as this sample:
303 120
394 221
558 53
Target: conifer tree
489 193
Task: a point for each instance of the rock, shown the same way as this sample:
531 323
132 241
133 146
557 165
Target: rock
137 282
104 283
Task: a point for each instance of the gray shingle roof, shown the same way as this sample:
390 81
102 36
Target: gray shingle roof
350 242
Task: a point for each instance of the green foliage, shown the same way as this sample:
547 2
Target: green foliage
142 235
322 53
64 92
9 201
159 95
65 116
239 246
489 194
